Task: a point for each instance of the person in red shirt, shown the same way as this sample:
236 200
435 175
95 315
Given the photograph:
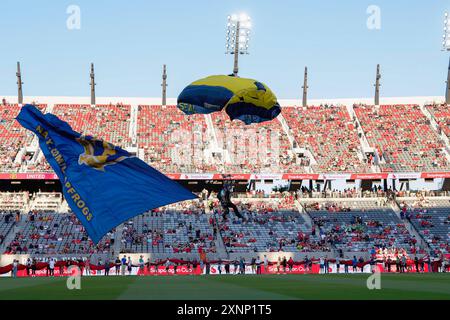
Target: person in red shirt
290 264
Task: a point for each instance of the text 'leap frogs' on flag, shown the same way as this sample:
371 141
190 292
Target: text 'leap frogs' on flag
103 184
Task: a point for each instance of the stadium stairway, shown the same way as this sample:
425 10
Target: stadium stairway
117 241
18 226
364 143
411 229
309 220
294 145
302 211
286 129
215 148
221 251
434 125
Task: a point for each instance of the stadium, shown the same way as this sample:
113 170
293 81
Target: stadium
329 194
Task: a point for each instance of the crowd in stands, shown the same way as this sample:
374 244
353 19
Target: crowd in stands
54 233
261 147
329 133
403 138
13 137
177 228
359 226
431 219
172 141
14 200
268 226
441 114
7 220
109 122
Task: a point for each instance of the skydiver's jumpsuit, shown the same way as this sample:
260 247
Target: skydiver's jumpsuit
225 201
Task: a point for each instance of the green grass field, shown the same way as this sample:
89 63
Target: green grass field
348 287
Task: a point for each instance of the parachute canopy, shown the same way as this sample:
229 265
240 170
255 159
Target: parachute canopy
245 99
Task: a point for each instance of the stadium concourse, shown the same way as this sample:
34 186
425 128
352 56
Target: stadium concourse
347 203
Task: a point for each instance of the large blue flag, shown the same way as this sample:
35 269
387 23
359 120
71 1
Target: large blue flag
104 185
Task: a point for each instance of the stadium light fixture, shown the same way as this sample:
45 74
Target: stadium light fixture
446 33
238 36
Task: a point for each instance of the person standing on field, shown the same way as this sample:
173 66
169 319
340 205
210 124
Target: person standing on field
123 265
141 265
117 264
130 266
258 265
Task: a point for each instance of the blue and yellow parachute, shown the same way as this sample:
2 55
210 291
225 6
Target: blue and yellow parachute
245 99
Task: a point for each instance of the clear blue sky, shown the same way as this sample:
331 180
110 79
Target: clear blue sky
130 40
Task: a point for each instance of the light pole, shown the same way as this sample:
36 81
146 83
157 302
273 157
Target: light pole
19 85
446 47
238 35
164 85
377 86
92 75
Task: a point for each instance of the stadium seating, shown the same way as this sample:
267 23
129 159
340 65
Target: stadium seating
257 148
432 220
403 137
441 113
13 137
178 228
54 233
360 226
110 122
401 134
269 227
330 135
173 142
6 224
143 233
13 201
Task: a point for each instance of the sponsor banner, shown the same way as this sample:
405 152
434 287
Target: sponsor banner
404 175
271 269
160 270
300 176
368 176
337 176
245 176
432 175
296 269
28 176
267 176
232 176
197 176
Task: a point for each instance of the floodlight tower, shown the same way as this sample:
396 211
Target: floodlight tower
19 85
164 85
305 88
446 47
238 35
92 85
377 86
